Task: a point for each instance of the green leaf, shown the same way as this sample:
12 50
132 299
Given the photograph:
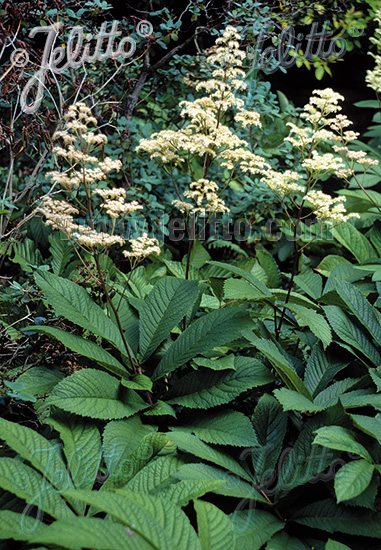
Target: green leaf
367 498
29 485
163 309
355 242
62 251
280 363
160 408
294 401
283 541
294 298
329 263
40 380
199 256
221 428
42 454
351 334
341 439
361 308
368 425
315 322
95 533
320 370
270 424
74 303
352 479
86 348
154 474
253 528
82 447
193 445
239 289
334 545
213 329
328 516
18 526
205 389
270 266
215 530
182 492
228 485
311 283
138 382
95 394
259 287
361 398
222 363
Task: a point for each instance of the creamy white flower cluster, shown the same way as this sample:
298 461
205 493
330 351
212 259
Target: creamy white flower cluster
78 145
373 78
282 184
204 194
142 247
328 209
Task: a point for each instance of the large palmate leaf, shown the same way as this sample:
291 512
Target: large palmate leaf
351 334
87 348
95 533
29 485
280 362
221 428
215 530
270 424
73 302
43 455
352 479
213 329
253 528
95 394
163 309
204 389
81 446
328 516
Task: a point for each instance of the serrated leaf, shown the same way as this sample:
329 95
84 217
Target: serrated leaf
280 363
193 445
311 283
294 401
207 388
270 424
341 439
221 428
352 479
213 329
40 380
361 398
228 485
315 322
182 492
160 408
367 498
74 303
283 541
18 526
42 454
215 529
259 287
154 474
95 533
86 348
29 485
95 394
355 242
253 528
163 309
222 363
239 289
138 382
350 333
199 256
62 251
270 266
328 516
334 545
320 370
368 425
81 446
